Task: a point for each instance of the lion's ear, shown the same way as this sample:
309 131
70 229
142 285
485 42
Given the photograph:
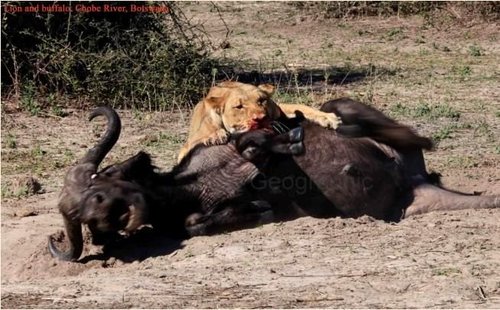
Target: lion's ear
216 103
267 88
217 91
215 97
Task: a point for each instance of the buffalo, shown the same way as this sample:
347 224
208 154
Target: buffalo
371 165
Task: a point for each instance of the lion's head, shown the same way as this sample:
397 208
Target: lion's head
233 107
241 107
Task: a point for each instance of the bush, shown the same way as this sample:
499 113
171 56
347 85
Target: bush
139 60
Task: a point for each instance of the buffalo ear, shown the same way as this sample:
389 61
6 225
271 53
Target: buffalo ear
139 164
267 88
134 167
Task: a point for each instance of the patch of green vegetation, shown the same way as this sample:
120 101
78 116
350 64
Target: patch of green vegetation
483 129
28 101
444 110
497 149
137 114
58 111
8 191
302 97
161 140
426 111
461 162
22 191
443 133
5 191
128 59
37 152
462 71
475 51
33 161
395 34
10 141
446 271
69 156
424 52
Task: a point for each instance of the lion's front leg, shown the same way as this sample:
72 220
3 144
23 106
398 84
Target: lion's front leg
327 120
220 136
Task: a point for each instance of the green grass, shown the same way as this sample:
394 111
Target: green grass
10 141
34 161
302 97
28 101
394 34
483 129
461 162
463 72
9 191
163 140
446 271
475 51
425 110
443 133
58 111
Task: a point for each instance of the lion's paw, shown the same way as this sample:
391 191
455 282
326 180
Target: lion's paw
220 137
327 120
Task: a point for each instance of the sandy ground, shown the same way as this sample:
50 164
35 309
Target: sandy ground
442 260
435 260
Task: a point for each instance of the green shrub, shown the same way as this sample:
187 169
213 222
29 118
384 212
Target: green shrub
139 60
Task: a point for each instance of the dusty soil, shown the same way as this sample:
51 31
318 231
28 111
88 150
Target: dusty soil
440 259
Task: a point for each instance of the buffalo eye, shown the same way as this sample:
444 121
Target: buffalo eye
98 198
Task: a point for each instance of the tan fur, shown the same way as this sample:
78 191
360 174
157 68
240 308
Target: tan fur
232 107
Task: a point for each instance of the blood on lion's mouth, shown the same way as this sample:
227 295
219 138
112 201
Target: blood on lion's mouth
264 123
253 126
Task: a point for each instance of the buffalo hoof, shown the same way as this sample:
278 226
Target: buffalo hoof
296 134
297 148
197 230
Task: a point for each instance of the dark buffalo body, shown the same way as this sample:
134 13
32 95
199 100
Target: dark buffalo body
371 165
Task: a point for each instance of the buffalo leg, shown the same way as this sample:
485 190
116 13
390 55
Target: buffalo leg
428 198
250 215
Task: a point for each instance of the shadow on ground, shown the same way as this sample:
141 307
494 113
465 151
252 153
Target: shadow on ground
138 247
315 79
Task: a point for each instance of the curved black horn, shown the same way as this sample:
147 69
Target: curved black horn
96 154
74 233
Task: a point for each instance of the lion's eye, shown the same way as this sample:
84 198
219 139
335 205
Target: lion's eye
239 106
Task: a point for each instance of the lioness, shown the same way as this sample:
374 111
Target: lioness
233 107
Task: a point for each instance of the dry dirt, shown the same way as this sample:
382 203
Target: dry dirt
443 260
